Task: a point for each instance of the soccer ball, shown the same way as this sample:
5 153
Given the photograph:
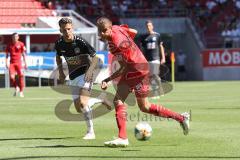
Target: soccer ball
143 131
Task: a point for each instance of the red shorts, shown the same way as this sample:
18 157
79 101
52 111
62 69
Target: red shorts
140 85
15 68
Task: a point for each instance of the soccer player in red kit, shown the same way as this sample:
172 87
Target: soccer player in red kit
16 50
133 73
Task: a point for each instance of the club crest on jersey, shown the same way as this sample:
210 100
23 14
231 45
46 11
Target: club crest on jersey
154 38
77 50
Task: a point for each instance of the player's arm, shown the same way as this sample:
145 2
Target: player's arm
23 50
132 32
59 63
24 59
60 69
89 73
162 53
94 59
116 74
6 61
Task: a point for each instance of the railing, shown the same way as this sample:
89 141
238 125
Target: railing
71 13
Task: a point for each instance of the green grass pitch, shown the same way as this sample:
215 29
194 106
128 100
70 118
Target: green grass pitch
30 129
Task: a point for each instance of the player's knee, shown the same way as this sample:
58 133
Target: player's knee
12 76
78 105
81 104
78 109
143 109
117 102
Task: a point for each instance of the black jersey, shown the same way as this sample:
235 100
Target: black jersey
76 54
150 44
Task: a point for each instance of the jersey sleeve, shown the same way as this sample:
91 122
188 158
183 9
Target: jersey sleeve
126 28
57 49
88 48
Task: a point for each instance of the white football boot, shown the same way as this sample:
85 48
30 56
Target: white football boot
119 142
21 94
89 136
185 124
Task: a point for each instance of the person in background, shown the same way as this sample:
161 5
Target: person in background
16 50
181 61
153 50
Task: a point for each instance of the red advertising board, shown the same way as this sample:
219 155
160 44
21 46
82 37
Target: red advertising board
221 58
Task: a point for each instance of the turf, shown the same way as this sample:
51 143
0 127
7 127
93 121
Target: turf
30 129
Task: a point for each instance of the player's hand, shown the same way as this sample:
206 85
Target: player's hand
62 78
104 85
163 61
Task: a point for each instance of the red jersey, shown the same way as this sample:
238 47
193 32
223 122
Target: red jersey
16 50
124 49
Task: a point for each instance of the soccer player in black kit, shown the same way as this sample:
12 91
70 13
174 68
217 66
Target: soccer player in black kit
81 60
153 51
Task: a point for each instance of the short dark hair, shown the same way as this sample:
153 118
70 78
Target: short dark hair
64 20
148 21
15 33
102 21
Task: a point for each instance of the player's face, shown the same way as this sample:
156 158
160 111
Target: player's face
15 38
67 31
149 27
105 32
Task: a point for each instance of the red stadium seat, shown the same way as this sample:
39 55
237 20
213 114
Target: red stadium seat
16 12
11 25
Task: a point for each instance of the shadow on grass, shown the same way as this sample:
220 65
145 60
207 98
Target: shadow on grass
123 157
225 108
63 146
23 139
131 150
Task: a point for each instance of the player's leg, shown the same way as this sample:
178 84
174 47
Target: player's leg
81 91
86 109
154 78
80 103
21 79
159 80
157 109
121 116
12 73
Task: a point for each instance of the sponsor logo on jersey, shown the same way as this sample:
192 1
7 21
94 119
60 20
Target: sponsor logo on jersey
77 50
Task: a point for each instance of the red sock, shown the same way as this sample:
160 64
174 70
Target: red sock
121 117
161 111
21 83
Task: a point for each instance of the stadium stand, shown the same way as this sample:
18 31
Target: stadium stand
21 13
210 17
213 17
